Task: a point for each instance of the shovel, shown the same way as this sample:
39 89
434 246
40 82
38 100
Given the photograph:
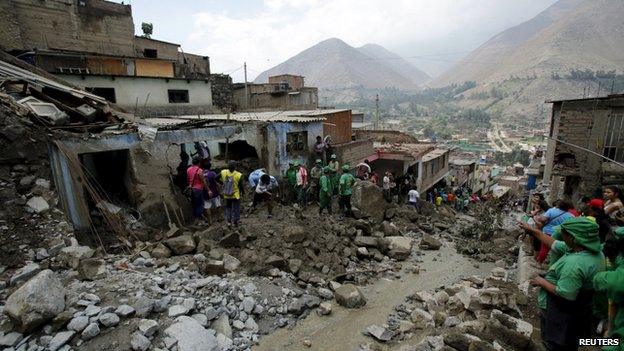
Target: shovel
172 227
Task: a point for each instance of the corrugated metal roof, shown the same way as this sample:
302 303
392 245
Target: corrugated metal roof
266 116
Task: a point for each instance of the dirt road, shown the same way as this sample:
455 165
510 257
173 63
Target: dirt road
342 330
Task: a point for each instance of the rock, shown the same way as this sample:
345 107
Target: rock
436 342
223 342
177 310
499 272
349 296
139 342
239 325
201 318
398 247
379 333
222 325
160 251
92 310
199 257
464 297
325 293
148 327
248 304
41 254
452 321
428 242
275 261
70 256
92 269
11 339
460 341
78 323
441 297
37 204
213 267
368 198
325 308
365 241
60 339
251 325
24 273
162 304
514 331
37 301
61 319
230 263
421 319
90 332
390 229
143 306
124 310
191 336
294 234
181 245
362 252
109 320
439 318
294 265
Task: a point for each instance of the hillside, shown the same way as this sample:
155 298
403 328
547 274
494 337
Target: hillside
491 60
395 63
517 70
334 64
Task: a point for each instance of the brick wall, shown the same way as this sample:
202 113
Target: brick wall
338 126
354 152
98 26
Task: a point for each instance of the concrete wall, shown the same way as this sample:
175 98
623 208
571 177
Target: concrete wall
129 89
164 49
97 26
295 82
354 152
432 171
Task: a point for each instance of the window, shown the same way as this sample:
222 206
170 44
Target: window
613 140
150 53
107 93
178 96
296 142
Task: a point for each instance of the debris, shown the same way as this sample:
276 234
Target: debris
90 332
60 339
379 333
181 245
24 273
398 247
325 308
139 342
428 242
148 327
92 269
38 204
191 336
37 301
349 296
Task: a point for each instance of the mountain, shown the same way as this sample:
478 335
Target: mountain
491 60
334 64
395 63
520 68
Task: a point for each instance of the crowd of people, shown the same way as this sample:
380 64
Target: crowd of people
581 252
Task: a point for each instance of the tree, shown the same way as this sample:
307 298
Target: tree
148 29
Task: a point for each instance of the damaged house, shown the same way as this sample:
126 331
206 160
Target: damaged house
92 44
283 92
581 131
109 171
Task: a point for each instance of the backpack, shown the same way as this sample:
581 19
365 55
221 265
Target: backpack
228 185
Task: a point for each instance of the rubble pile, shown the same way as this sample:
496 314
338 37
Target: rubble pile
474 314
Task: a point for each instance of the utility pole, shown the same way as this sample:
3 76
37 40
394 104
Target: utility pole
377 111
227 139
246 91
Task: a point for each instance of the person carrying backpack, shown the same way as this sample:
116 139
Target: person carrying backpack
196 183
232 191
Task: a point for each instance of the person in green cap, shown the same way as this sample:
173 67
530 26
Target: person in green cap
325 192
315 175
345 190
566 293
611 284
291 182
334 167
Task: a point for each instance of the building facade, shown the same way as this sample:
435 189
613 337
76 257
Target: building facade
584 135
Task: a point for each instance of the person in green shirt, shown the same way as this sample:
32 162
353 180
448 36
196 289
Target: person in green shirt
345 190
565 298
611 284
334 167
291 182
325 192
315 175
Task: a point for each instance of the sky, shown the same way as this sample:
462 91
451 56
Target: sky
432 33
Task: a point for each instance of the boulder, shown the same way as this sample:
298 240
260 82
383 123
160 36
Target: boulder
513 331
160 251
324 308
109 319
139 342
390 229
222 325
399 247
92 269
379 333
349 296
78 323
37 301
421 319
294 265
428 242
191 336
460 341
294 234
177 310
37 204
90 332
181 245
368 198
24 273
148 327
365 241
70 256
124 310
60 339
231 263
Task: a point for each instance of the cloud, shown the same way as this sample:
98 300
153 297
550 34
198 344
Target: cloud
282 28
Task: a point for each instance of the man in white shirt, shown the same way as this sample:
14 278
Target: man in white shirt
385 187
413 196
263 193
